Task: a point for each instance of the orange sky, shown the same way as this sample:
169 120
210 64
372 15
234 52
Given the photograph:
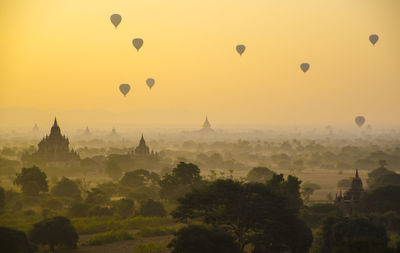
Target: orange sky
62 56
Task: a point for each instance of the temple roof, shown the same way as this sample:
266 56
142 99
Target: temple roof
206 123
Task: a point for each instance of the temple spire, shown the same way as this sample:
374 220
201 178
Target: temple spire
357 173
55 122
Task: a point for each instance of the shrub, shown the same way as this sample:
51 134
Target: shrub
108 237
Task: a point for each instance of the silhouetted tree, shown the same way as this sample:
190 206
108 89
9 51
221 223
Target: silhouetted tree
244 210
14 241
340 232
66 188
79 209
151 208
382 177
182 179
138 178
201 239
32 181
289 189
381 200
54 231
260 174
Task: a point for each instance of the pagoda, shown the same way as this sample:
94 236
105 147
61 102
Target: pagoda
53 148
206 127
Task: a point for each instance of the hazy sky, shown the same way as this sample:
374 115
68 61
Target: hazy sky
65 56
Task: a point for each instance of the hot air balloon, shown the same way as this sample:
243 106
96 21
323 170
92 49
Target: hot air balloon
240 49
150 82
137 43
124 88
360 120
304 66
373 38
115 19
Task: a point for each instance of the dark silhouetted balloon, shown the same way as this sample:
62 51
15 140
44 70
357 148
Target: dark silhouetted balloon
360 120
150 82
124 88
305 66
373 38
115 19
137 43
240 49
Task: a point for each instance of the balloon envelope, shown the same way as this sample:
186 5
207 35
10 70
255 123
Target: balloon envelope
373 38
150 82
115 19
137 43
240 49
124 88
360 120
305 66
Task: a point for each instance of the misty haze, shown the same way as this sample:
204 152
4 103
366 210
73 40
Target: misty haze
199 126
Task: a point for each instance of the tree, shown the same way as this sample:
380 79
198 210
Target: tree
151 208
339 232
54 231
382 177
2 199
124 207
246 210
138 178
32 180
182 179
79 209
200 239
260 174
66 188
308 189
113 170
381 200
289 189
14 241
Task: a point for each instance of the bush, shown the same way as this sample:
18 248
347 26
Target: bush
151 208
108 237
14 241
95 225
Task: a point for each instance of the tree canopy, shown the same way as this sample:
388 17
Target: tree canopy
66 188
201 239
248 211
54 231
32 181
260 174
